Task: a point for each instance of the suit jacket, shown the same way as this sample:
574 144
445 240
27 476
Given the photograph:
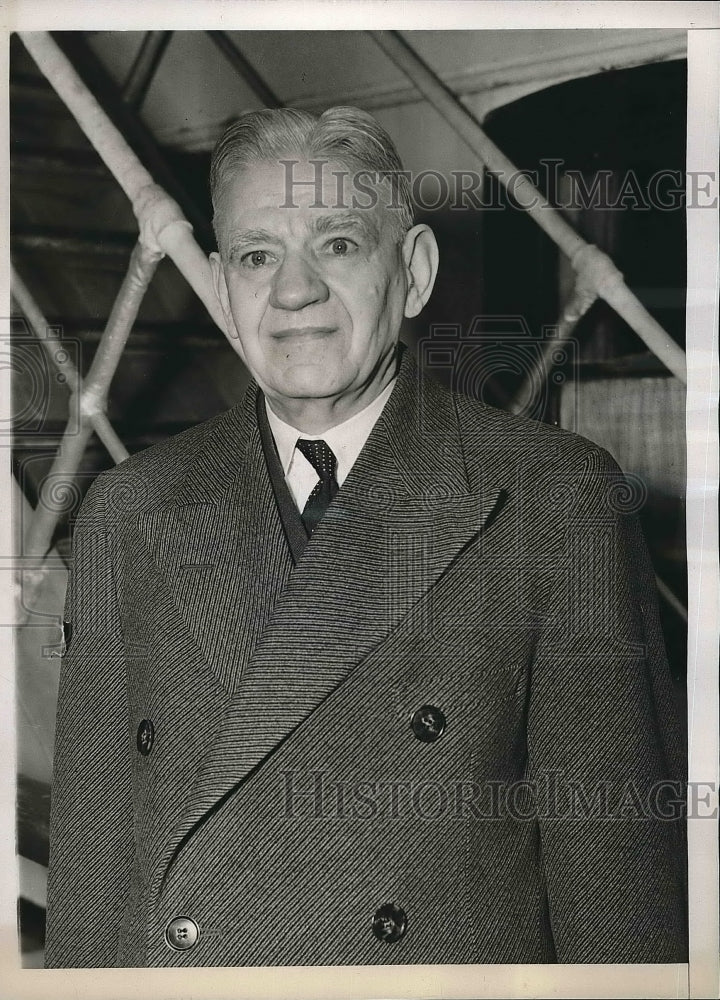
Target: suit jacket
456 706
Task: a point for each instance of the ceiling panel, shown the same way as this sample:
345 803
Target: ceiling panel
196 91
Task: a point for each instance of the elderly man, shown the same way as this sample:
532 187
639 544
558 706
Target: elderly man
362 670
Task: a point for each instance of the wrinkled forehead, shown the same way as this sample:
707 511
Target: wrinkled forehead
293 191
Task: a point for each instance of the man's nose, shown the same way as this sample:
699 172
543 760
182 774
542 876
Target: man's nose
297 284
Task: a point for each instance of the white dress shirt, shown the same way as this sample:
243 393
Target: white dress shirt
346 441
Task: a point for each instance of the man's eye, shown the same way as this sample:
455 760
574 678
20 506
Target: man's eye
255 259
341 247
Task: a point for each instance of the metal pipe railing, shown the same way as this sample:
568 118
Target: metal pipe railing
51 502
594 266
163 230
578 304
576 307
54 348
91 395
141 268
163 227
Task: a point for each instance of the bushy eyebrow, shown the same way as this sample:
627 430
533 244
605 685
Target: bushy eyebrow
342 221
245 238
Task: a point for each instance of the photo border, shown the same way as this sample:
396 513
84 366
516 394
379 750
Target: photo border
700 978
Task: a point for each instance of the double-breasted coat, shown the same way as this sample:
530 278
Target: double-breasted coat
443 736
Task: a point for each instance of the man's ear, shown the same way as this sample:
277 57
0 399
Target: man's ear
421 257
220 286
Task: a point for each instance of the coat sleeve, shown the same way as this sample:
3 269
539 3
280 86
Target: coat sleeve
604 743
91 841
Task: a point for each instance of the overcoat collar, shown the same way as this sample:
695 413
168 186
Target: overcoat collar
417 435
404 513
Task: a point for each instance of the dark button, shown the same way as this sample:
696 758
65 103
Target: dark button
389 923
67 634
182 933
428 723
145 737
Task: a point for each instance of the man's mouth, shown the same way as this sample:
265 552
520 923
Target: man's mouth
303 332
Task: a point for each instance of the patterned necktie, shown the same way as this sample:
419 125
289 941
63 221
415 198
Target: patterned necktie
322 459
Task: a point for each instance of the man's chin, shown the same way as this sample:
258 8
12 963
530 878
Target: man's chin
309 382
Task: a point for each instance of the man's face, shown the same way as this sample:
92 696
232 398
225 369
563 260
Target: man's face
316 295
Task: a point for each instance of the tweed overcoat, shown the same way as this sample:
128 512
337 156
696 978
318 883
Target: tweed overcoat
480 565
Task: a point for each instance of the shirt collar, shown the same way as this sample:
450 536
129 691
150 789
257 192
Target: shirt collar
346 439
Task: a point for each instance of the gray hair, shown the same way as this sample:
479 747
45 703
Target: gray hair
349 136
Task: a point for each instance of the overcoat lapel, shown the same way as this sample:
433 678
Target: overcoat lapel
403 515
220 546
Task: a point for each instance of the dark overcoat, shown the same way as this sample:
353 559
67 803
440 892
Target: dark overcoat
443 736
